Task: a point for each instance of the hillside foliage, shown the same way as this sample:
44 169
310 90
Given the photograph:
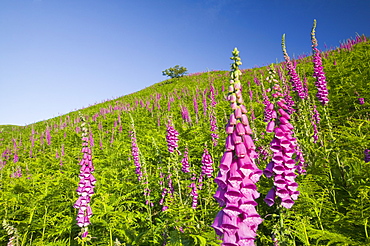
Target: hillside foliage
39 166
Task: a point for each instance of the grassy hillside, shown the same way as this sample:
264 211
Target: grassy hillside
155 203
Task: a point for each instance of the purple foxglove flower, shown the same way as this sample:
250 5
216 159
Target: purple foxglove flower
238 220
367 155
185 114
322 91
135 153
270 197
196 109
270 126
301 163
268 172
171 137
16 158
48 136
17 173
204 101
86 185
194 195
207 163
282 166
294 78
315 120
213 123
185 161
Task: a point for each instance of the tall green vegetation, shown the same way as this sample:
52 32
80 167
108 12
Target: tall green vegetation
154 152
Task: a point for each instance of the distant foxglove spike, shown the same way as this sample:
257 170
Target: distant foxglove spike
86 185
322 90
172 138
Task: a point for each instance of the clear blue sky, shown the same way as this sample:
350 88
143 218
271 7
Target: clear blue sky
57 56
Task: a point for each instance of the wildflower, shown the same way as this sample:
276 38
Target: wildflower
204 101
207 162
367 155
17 173
315 120
185 114
185 161
16 158
171 137
212 92
282 165
238 220
294 78
194 195
213 123
322 91
212 115
170 100
11 231
86 185
48 136
135 153
196 109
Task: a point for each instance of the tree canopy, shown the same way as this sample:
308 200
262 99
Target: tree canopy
175 72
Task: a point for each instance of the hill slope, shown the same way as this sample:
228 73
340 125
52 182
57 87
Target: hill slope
142 196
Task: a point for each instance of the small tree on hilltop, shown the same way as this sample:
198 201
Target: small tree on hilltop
175 72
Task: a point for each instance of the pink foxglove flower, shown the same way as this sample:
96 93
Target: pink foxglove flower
194 195
172 137
204 101
196 108
86 185
135 154
282 166
294 78
315 121
322 90
185 161
214 128
185 114
238 220
207 163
